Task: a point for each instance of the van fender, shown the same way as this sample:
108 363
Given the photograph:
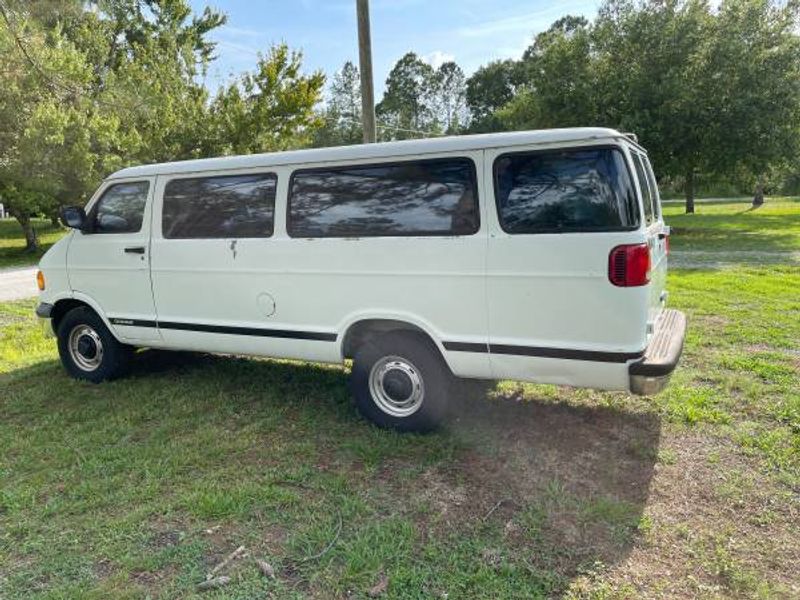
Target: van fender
91 303
415 322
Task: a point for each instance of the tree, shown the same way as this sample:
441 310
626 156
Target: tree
406 107
449 97
707 91
95 86
267 110
754 58
556 79
87 87
342 114
649 78
489 89
40 88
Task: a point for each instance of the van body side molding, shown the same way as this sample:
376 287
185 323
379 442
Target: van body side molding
132 322
319 336
543 352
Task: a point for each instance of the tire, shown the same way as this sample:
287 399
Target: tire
400 381
87 349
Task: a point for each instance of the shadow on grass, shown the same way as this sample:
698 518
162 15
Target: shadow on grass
510 496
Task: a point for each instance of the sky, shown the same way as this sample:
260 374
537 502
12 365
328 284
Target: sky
471 32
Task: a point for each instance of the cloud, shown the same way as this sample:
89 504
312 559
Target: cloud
437 58
536 20
237 32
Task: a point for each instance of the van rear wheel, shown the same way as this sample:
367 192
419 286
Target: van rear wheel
87 349
400 381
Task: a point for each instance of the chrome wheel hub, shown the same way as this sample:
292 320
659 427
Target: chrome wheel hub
396 386
85 347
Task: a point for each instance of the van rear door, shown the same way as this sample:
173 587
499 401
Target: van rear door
657 236
554 314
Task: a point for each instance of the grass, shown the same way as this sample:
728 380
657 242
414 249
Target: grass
138 487
12 243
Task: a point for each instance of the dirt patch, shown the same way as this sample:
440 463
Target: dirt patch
719 527
564 485
103 569
165 534
166 539
154 580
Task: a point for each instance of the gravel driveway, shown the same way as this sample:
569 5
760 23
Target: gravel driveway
16 284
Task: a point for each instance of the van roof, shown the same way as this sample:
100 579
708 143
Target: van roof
381 150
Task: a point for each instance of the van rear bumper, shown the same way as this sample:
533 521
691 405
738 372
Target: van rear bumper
650 374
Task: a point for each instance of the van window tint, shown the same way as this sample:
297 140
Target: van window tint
644 184
586 189
233 206
428 197
121 208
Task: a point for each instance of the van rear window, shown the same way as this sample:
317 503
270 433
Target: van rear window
233 206
562 191
426 197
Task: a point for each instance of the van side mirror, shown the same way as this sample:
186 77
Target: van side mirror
73 216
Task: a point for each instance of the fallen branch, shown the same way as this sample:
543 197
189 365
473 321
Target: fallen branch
213 584
328 547
266 569
232 556
495 507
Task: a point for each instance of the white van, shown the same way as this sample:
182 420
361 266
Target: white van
535 256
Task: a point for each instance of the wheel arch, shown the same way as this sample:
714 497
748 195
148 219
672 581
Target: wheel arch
63 305
358 331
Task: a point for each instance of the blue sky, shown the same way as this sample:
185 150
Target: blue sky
471 32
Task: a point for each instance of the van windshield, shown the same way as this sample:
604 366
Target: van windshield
567 190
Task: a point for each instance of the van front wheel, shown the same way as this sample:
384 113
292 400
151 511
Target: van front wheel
401 382
87 349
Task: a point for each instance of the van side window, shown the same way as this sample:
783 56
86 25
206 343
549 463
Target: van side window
562 191
425 197
644 184
231 206
651 177
121 208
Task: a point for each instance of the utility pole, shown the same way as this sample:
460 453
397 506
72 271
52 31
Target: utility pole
365 65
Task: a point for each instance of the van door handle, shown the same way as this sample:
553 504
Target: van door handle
134 250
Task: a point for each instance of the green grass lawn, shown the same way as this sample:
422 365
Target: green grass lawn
138 487
12 242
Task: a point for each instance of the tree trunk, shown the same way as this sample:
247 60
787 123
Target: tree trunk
31 241
690 192
54 220
758 197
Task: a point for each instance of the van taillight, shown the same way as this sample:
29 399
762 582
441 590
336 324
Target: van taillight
629 265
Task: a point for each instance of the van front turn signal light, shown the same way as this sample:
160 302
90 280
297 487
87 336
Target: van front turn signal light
40 280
